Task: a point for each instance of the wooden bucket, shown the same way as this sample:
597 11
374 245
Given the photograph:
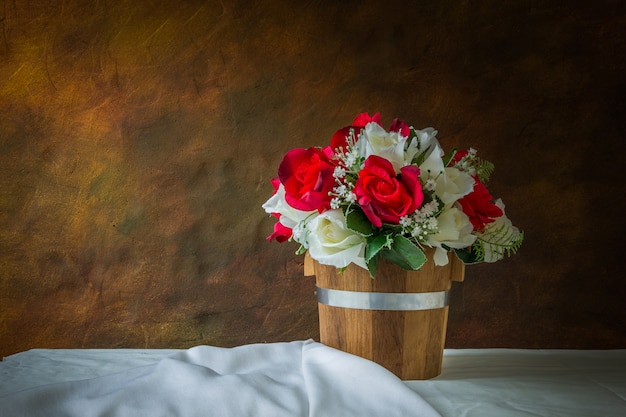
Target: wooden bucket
398 319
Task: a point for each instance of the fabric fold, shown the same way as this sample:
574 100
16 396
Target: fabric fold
302 378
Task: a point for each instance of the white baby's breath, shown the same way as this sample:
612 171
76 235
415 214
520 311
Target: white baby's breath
439 222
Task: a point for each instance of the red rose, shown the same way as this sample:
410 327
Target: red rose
275 184
307 175
401 127
281 233
383 196
339 138
364 118
479 206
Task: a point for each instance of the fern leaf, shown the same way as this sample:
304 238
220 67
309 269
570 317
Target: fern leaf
484 169
499 239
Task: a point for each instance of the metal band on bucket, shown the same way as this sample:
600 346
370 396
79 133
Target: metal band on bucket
383 300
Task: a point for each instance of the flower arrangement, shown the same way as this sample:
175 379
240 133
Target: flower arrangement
392 193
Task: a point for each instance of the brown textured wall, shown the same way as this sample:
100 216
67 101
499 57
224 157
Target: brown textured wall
137 139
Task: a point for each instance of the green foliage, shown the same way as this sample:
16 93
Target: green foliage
357 221
375 244
372 265
301 250
484 169
396 248
503 240
467 256
446 159
405 254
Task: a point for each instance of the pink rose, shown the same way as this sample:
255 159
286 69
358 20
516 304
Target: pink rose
385 197
307 175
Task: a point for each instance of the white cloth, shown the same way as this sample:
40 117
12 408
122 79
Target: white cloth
528 383
301 378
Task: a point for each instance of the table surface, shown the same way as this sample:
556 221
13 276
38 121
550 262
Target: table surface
473 382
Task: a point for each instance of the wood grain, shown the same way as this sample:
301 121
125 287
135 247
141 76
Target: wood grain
408 343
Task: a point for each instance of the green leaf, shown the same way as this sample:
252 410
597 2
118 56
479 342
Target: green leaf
358 222
448 158
405 254
419 158
468 256
374 245
372 265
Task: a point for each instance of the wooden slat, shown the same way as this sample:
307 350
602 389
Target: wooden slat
408 343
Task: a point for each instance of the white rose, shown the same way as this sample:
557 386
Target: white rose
289 216
454 231
374 140
453 185
331 243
